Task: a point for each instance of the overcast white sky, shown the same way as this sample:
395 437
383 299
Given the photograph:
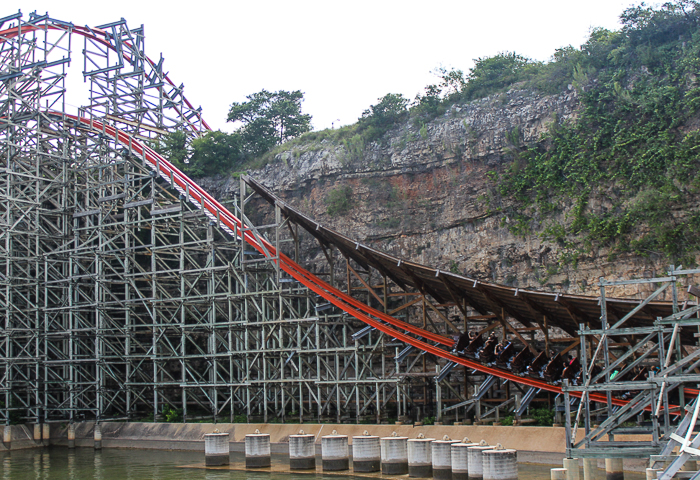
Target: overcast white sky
342 55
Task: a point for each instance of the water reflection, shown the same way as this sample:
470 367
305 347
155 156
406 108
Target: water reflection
132 464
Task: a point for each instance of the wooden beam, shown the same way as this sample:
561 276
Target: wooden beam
571 347
451 289
369 289
520 337
498 309
440 314
406 305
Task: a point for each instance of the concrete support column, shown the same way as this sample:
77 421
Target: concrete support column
216 449
394 451
71 435
571 464
7 437
653 473
442 459
500 464
98 436
302 452
366 454
613 469
460 459
476 466
590 469
257 450
558 473
420 458
334 453
37 432
46 433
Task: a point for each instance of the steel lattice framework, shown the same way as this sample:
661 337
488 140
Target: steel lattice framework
120 296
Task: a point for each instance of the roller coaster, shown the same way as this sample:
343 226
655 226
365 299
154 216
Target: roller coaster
128 290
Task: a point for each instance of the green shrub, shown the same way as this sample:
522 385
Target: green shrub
171 414
339 200
507 421
543 416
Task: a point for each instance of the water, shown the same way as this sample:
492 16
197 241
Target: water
117 464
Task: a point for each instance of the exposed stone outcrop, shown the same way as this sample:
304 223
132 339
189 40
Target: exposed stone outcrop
422 194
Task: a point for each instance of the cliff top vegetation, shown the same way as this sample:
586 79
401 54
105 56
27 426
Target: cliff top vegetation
632 152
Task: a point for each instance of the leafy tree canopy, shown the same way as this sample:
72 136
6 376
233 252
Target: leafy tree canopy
269 119
377 119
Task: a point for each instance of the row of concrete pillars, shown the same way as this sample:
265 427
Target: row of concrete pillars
420 457
42 433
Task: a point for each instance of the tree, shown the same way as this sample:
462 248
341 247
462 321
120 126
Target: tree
210 154
491 74
214 153
269 119
379 118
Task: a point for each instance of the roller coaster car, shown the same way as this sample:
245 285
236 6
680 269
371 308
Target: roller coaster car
506 355
521 361
488 353
462 341
537 365
554 369
476 343
571 370
639 377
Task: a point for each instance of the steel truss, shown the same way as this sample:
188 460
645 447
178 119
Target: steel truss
657 400
122 298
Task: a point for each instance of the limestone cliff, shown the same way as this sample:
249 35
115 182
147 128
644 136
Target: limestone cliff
424 193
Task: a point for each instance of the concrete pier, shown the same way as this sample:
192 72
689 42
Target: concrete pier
37 433
394 452
476 468
257 450
558 473
216 449
420 458
500 464
366 454
71 435
302 452
613 469
459 453
442 459
7 437
46 433
97 436
652 473
590 469
571 464
334 453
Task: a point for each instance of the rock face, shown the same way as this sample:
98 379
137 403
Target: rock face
423 194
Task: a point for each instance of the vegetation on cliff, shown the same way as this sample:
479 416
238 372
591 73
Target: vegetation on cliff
621 175
628 164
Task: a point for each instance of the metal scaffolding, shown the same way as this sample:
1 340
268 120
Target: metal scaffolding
650 366
120 297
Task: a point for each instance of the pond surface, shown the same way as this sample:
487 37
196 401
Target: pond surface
123 464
